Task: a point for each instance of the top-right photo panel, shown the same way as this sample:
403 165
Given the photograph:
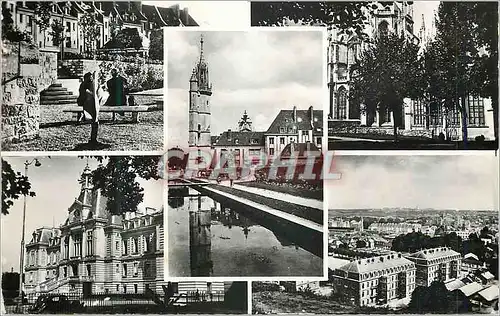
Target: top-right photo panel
404 74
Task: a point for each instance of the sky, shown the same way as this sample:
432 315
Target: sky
437 181
213 13
56 186
260 71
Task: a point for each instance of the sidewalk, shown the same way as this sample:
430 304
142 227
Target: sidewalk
272 194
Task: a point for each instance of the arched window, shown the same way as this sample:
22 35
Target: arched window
383 29
341 110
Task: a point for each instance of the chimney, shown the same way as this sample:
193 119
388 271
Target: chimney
294 114
185 16
229 134
311 116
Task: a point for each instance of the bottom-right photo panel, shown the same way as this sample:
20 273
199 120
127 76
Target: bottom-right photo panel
408 234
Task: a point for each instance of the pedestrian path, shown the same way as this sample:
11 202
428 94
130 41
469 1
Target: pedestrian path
316 204
269 210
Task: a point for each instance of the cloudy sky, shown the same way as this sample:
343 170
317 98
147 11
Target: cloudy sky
261 71
56 186
451 181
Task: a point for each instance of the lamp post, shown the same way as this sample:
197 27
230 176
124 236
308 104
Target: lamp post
21 259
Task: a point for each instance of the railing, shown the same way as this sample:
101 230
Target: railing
77 302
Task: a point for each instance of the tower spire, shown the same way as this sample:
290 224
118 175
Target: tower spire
201 47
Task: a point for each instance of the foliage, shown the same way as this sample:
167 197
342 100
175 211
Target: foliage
42 15
264 287
57 32
90 30
463 57
140 75
9 30
118 180
14 184
433 299
126 38
386 73
348 17
416 241
156 45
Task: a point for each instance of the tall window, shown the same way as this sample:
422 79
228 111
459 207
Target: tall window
383 29
90 243
135 245
124 273
341 110
77 250
436 114
89 270
418 112
136 268
66 247
125 247
475 110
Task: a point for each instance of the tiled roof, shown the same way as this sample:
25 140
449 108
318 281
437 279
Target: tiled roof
302 121
232 138
434 253
455 284
489 293
151 12
471 288
381 263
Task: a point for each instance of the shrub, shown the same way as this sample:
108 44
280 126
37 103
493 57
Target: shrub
265 286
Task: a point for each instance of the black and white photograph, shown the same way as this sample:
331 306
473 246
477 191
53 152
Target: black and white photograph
88 75
241 105
93 240
426 241
404 74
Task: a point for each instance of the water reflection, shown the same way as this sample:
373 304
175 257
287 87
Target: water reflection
223 242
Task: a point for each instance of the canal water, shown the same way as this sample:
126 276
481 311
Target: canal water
206 238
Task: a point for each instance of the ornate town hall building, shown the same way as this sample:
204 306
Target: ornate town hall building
94 251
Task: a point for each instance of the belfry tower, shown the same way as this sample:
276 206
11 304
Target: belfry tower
200 91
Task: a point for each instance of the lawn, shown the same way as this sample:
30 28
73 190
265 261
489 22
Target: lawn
316 194
308 213
59 132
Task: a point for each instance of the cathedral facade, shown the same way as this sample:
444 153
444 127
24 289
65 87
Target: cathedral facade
417 118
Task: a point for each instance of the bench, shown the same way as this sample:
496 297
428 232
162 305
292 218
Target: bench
135 110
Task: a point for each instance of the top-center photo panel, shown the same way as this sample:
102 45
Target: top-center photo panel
245 138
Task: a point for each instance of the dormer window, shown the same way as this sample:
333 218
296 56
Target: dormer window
236 141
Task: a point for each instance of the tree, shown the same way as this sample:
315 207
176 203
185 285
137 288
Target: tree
90 30
57 32
156 45
387 72
349 17
9 30
360 244
463 57
14 184
433 299
42 16
118 180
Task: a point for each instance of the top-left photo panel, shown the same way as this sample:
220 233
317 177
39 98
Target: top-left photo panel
79 76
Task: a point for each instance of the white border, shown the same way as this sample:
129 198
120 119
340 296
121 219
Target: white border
324 277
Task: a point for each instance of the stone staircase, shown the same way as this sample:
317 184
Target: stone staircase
57 94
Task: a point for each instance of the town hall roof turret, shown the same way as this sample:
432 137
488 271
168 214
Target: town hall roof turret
200 72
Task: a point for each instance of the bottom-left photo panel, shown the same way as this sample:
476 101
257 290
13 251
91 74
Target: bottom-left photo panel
85 234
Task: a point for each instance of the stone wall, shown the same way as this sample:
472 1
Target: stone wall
21 89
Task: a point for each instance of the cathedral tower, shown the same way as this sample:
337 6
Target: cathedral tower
200 91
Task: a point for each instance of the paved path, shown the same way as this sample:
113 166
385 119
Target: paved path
267 209
276 195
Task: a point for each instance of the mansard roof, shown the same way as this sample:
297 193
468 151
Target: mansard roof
384 264
434 253
245 138
285 119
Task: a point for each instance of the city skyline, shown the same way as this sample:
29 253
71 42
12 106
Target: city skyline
62 173
438 182
248 71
